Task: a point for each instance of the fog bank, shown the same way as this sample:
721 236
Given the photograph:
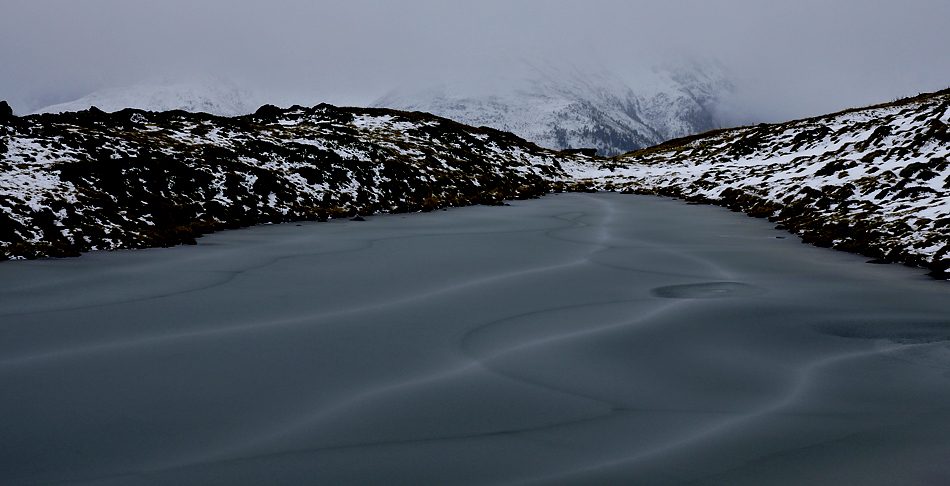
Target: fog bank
789 60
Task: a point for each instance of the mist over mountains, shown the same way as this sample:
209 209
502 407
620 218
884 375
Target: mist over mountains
215 96
567 107
555 105
790 60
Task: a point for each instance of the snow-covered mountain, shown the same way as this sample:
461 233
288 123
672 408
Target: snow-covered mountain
560 107
556 106
205 95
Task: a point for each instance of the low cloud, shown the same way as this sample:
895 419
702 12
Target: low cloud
788 60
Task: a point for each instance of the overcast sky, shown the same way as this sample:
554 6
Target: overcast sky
789 59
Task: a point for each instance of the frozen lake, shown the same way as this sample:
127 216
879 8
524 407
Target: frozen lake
577 339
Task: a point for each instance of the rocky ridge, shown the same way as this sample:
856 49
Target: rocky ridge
91 180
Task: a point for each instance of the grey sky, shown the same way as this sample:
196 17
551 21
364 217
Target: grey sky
791 59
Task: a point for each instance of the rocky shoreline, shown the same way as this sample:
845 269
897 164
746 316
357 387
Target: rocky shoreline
90 180
871 181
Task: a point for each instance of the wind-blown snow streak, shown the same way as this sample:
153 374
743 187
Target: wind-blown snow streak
534 344
803 377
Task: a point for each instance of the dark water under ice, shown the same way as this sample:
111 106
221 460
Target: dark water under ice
577 339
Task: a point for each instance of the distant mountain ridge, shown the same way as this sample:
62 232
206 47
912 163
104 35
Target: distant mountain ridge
568 107
554 106
213 96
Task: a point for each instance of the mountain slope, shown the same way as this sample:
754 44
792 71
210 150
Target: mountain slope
872 180
90 180
562 108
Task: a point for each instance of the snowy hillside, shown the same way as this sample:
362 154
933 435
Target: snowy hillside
212 96
874 181
561 108
91 180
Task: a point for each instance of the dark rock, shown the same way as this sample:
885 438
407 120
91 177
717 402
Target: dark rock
590 152
268 113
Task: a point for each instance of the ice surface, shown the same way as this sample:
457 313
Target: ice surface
576 339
